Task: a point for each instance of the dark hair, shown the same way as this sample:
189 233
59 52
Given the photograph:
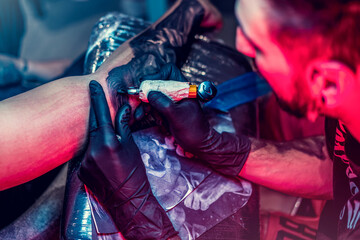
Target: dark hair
330 25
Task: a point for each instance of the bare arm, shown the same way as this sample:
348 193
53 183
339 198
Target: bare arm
302 167
42 129
47 126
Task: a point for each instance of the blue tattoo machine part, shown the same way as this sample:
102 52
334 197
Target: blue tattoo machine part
206 91
175 90
239 90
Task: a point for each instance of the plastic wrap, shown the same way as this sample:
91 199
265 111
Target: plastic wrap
195 197
107 35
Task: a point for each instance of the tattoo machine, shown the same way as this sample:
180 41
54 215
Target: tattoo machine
175 90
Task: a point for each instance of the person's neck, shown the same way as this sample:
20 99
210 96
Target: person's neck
350 114
352 121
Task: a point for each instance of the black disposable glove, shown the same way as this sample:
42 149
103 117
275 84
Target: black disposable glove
114 172
144 115
225 152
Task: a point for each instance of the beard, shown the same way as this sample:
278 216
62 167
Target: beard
292 108
300 101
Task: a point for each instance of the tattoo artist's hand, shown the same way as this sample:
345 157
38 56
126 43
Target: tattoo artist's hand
114 172
225 152
144 115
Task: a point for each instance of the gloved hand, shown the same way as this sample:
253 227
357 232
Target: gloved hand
225 152
144 115
114 172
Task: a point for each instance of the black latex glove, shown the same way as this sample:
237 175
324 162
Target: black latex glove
114 172
144 115
168 71
225 152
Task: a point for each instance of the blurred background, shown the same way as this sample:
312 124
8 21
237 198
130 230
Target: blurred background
41 39
55 29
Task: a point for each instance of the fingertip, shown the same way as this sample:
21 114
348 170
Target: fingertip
124 110
122 118
93 82
156 94
154 97
95 89
94 86
139 112
162 103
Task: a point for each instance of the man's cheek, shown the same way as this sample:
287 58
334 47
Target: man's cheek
276 73
263 70
243 46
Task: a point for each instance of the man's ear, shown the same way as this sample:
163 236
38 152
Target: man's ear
330 82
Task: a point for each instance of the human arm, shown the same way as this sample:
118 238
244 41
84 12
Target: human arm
166 41
42 129
300 167
113 170
47 126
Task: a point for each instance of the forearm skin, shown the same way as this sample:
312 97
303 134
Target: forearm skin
45 127
42 128
300 168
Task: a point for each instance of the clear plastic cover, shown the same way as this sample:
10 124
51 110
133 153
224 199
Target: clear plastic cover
195 197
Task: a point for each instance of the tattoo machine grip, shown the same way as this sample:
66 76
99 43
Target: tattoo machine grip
175 90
